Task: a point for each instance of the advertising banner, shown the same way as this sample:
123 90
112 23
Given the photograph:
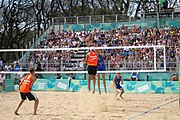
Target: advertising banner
53 84
9 86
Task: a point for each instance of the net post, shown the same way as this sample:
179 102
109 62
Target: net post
179 82
109 69
154 58
164 58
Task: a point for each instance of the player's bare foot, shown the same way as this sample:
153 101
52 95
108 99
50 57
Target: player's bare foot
34 113
117 98
93 91
106 92
121 97
99 92
16 113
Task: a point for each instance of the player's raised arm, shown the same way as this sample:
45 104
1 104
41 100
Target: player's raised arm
86 60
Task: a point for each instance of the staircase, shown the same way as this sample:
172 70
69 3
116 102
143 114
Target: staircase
76 59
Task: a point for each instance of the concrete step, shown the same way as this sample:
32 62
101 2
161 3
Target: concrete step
79 55
75 59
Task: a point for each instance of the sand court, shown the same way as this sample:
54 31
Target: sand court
85 106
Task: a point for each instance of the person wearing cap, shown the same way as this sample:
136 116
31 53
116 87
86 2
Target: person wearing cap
16 69
134 76
117 79
92 61
20 75
101 67
2 81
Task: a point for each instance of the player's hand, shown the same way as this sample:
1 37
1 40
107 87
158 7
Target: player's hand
85 63
114 82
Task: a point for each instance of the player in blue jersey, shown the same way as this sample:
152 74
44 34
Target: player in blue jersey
117 79
101 67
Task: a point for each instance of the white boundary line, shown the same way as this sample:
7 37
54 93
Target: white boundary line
148 111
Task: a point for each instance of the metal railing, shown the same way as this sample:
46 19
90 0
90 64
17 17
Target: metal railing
91 19
58 66
162 16
113 18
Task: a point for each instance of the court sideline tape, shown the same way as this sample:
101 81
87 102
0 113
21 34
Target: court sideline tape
148 111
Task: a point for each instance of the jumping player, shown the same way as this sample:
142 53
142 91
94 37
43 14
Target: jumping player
91 61
25 91
101 67
117 79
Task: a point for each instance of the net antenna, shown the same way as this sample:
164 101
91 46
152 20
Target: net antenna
157 67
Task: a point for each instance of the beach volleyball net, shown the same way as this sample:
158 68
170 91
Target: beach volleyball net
64 62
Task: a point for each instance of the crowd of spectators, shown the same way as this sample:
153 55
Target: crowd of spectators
123 59
15 66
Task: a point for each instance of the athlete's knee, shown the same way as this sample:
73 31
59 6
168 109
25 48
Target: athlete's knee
122 90
98 75
36 100
93 76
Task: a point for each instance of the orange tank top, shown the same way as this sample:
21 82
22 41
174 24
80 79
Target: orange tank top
25 86
92 59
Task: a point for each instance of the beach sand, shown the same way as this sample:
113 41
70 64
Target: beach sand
86 106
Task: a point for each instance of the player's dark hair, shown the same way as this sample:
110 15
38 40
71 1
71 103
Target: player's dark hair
31 70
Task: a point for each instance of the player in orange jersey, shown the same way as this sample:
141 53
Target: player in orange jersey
25 91
92 61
